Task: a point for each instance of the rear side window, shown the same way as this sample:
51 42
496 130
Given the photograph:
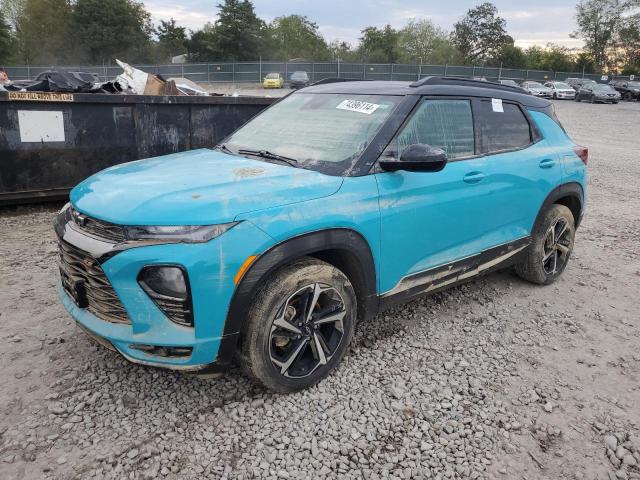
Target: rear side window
506 130
445 124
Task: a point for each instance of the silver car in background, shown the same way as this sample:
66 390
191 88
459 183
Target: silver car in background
561 90
536 89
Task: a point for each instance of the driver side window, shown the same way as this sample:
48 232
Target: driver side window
445 124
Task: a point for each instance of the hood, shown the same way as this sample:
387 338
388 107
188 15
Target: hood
198 187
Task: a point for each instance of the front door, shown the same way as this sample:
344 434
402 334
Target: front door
429 219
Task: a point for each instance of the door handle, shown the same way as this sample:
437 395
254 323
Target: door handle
473 177
547 163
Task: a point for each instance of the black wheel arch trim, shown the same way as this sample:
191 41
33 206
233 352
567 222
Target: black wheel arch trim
353 246
571 190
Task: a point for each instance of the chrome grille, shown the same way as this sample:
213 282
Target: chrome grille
98 228
78 266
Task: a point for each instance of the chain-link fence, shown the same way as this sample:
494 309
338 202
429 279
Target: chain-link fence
254 72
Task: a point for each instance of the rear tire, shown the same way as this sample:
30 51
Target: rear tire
299 326
551 246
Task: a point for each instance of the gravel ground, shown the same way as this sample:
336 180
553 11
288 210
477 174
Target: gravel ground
494 379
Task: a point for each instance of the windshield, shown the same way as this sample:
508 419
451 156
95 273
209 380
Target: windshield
563 85
534 85
634 84
273 76
323 132
299 76
509 82
604 88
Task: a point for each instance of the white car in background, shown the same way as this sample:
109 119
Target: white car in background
561 90
536 89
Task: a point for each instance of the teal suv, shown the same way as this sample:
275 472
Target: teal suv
334 203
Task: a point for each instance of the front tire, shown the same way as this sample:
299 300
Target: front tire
551 246
299 326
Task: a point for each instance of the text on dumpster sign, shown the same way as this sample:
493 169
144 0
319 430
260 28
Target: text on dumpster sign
41 96
358 106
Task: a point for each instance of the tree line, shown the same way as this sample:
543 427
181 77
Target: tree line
59 32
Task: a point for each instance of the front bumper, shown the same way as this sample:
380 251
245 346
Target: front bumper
211 268
567 95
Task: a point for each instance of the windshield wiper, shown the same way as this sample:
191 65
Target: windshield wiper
269 155
223 148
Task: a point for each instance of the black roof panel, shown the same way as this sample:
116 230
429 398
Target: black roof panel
431 86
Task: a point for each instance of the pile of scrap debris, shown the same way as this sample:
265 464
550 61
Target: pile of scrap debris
130 82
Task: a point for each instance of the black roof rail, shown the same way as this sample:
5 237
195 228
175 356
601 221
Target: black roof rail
336 80
464 82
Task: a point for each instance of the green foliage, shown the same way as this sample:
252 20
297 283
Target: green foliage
6 40
239 33
420 41
510 56
481 33
379 44
43 28
110 29
598 21
295 36
171 39
584 62
203 45
627 51
96 31
343 52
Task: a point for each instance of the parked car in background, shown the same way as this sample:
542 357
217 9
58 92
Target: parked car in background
597 93
509 83
273 80
561 90
269 248
628 89
514 84
536 89
576 83
299 79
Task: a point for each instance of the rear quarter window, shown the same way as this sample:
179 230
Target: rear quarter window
506 130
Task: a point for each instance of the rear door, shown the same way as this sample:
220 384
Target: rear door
521 170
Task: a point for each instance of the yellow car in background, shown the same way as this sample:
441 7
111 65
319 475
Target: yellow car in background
273 80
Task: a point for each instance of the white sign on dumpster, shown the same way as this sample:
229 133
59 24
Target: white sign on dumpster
41 126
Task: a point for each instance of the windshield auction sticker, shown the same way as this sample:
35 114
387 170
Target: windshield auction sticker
358 106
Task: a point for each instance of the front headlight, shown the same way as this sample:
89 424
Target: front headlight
178 234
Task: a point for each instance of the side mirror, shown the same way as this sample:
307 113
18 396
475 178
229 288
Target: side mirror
418 157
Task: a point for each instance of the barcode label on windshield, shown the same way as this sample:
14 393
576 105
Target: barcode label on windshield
358 106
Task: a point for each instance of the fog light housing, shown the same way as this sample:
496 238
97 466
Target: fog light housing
168 287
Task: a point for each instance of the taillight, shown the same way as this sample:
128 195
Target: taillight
583 153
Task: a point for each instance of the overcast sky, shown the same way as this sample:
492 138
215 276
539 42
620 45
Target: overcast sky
532 22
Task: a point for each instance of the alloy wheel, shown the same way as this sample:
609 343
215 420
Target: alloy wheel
557 247
307 331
